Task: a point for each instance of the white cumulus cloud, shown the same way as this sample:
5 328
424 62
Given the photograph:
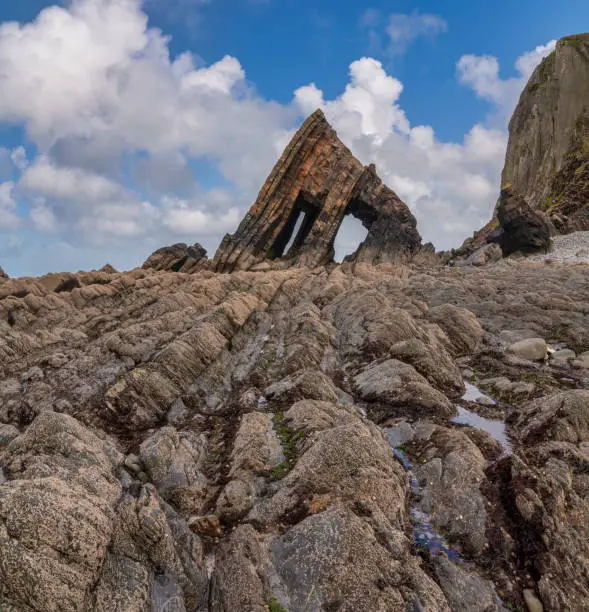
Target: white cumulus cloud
8 217
481 73
118 125
394 34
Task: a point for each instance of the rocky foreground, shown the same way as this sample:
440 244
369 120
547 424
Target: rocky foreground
355 437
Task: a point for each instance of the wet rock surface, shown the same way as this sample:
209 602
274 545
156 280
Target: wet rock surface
298 439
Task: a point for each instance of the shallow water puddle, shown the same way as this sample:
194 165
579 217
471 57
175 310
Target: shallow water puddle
473 394
424 532
496 429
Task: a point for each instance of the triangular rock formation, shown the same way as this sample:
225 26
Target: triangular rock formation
314 185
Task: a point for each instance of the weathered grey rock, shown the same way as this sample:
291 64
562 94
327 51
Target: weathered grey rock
563 354
351 462
235 501
124 350
452 477
238 578
307 559
311 415
7 434
461 325
396 385
431 359
39 520
502 386
174 462
57 446
531 349
306 385
562 416
465 591
61 490
256 448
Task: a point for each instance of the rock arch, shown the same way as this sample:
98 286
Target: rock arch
317 178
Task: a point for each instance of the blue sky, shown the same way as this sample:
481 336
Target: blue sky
127 125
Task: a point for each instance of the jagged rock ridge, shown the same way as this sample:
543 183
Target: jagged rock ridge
318 180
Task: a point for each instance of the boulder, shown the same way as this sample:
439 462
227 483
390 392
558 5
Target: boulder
521 228
562 416
563 354
397 386
174 463
461 326
176 258
531 349
464 590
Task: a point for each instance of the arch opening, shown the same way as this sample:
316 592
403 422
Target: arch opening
296 229
351 234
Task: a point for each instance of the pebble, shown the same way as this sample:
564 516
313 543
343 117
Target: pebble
532 602
569 248
563 354
484 401
133 463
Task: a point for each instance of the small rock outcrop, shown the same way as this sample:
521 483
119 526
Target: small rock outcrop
314 185
2 273
520 227
176 258
108 269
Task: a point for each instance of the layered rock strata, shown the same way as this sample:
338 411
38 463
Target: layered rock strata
177 258
210 441
299 210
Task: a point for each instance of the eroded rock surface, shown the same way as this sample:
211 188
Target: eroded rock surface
316 182
177 258
213 441
547 159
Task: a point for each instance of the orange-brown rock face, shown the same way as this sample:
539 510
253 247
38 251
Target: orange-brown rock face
314 185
